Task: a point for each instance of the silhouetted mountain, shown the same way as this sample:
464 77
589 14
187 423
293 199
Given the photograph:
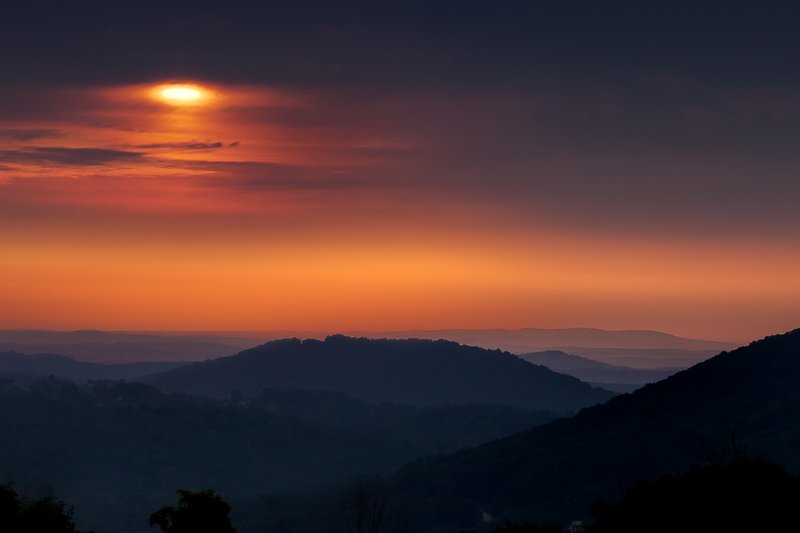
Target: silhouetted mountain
116 450
43 365
611 377
745 399
644 358
417 372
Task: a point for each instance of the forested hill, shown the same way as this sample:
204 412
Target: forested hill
418 372
743 401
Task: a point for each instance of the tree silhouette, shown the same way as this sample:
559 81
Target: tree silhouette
45 515
374 508
197 512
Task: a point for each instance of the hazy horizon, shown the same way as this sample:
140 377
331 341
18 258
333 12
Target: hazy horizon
320 333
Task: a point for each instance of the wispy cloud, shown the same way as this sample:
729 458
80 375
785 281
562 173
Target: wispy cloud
254 177
68 156
187 146
25 135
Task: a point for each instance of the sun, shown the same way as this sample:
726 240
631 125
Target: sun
183 94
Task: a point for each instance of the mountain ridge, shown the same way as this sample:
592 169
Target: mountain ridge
595 337
596 372
413 371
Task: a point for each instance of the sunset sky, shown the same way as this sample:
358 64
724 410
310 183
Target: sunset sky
396 165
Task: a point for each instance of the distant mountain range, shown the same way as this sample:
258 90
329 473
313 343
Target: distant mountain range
639 349
417 372
112 347
611 377
746 400
644 359
514 339
634 348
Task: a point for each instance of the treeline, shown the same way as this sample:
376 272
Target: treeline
196 512
19 514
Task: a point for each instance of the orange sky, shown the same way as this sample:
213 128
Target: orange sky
264 209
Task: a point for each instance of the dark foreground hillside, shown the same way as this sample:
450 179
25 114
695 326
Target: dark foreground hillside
418 372
746 400
743 495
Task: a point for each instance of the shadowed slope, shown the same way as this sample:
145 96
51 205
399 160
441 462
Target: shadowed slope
745 399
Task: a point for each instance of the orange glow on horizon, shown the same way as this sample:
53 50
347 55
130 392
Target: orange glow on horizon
205 206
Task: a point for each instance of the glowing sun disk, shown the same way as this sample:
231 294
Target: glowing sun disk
182 94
